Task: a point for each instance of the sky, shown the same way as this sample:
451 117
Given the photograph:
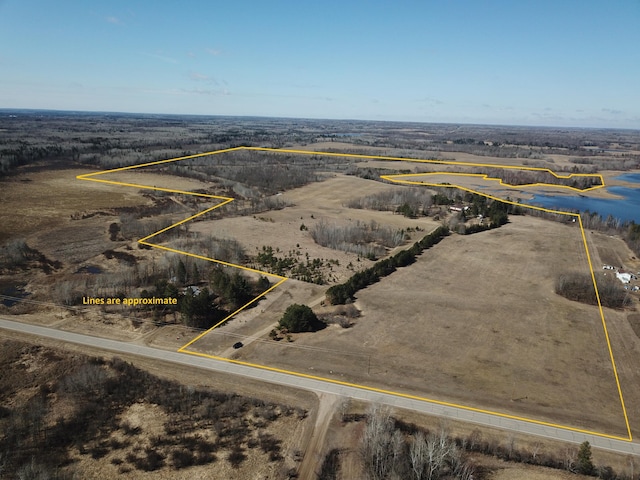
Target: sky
545 62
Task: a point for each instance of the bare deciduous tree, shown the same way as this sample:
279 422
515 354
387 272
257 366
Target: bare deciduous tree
417 455
569 459
376 442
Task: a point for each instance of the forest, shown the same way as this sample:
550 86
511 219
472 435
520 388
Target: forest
112 140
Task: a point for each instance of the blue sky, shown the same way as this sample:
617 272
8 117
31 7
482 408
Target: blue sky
560 62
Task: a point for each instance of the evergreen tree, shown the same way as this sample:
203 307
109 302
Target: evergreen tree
585 464
300 318
238 291
182 273
195 274
262 284
198 311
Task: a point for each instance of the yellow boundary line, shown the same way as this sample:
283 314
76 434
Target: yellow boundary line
400 179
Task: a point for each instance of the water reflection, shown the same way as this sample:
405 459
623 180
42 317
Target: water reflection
626 208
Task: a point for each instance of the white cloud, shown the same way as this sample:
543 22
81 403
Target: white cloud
612 111
162 57
219 92
430 101
198 76
201 77
113 20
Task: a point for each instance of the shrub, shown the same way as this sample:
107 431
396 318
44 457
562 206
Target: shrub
236 456
182 458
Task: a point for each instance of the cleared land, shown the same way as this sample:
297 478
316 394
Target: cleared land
287 229
45 200
475 321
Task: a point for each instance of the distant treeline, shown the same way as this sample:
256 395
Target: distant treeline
112 140
626 162
13 157
532 177
260 173
344 292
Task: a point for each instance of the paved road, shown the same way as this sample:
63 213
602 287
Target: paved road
322 386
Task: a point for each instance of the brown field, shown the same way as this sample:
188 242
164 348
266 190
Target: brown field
495 363
345 436
476 322
549 161
316 202
552 162
516 193
44 200
67 220
48 207
151 177
441 312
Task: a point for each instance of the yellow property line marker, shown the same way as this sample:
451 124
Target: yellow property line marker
400 179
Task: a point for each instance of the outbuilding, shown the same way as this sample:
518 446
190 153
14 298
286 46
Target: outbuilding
624 277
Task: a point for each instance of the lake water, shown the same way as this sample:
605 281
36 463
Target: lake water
630 177
626 208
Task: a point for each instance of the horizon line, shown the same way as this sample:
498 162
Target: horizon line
315 119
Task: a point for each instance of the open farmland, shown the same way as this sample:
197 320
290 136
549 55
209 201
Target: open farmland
533 354
288 229
476 322
40 202
43 200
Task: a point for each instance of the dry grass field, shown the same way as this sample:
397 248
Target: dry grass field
67 220
491 362
45 200
476 322
309 205
53 208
